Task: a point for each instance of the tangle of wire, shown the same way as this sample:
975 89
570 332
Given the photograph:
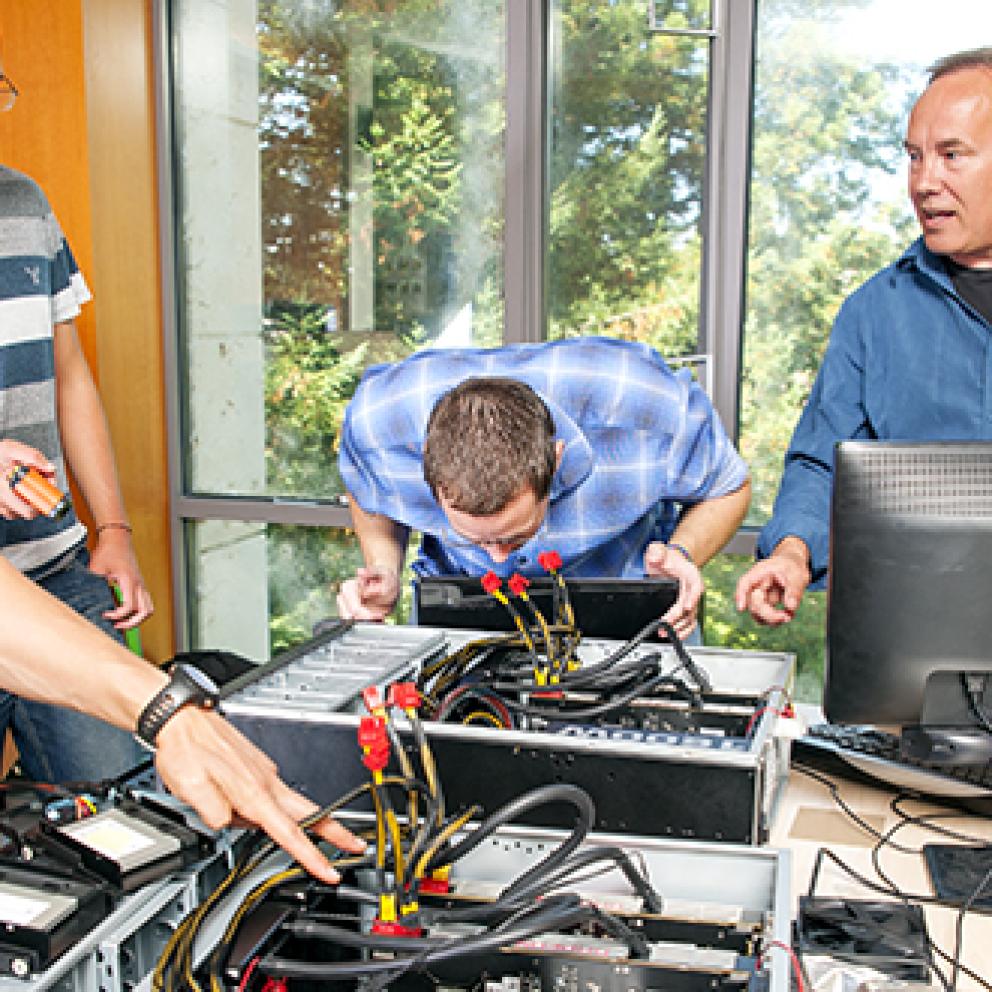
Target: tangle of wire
889 887
534 672
400 860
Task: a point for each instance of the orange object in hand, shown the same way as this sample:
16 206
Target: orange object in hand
36 490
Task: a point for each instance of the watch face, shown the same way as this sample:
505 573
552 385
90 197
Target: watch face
200 678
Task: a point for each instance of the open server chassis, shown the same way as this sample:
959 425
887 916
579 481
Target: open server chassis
666 773
722 902
726 921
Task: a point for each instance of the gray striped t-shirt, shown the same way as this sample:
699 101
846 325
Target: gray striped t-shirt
40 286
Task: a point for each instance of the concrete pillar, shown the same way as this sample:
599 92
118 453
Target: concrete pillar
219 235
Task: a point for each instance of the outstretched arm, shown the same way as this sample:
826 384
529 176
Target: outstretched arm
51 654
89 455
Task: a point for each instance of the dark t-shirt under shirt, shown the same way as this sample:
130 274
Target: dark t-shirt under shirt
974 285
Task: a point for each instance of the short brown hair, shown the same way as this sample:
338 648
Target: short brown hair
975 58
488 439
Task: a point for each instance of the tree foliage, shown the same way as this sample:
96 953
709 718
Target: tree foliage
626 173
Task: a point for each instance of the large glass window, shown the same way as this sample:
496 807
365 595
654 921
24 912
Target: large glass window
343 197
339 202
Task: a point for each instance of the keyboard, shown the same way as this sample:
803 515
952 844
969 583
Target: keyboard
876 757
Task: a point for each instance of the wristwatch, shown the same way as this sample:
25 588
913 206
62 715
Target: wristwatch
187 686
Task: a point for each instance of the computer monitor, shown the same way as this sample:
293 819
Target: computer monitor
613 608
910 588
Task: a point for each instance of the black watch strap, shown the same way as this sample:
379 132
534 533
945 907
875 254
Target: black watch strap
187 686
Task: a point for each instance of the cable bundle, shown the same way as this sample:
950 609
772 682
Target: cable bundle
535 671
412 850
417 860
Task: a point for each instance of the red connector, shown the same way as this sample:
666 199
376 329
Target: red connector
550 561
372 698
518 584
372 731
435 886
376 758
396 929
491 582
404 695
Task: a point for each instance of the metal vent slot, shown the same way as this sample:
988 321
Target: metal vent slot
940 484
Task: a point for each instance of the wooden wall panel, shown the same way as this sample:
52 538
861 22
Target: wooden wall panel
83 127
126 280
45 134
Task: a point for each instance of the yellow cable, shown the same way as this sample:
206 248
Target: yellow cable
482 714
442 838
543 624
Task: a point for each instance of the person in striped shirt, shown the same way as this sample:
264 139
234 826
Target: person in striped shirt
51 415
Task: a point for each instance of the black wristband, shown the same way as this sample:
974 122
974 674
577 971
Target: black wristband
187 686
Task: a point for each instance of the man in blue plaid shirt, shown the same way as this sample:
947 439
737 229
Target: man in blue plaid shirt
591 447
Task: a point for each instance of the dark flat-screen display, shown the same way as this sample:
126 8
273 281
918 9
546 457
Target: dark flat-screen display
614 608
910 588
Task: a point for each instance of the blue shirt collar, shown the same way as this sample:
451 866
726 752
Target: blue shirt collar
577 458
926 262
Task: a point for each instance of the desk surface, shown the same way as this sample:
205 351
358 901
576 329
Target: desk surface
808 817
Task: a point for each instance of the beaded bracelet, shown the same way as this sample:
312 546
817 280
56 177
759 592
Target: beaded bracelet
682 550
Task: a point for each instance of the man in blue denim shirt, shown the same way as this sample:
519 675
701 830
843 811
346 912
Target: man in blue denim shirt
910 353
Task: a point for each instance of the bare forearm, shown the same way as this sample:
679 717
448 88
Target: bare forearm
383 540
51 654
706 527
84 431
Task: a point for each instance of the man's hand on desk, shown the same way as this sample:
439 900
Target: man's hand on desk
207 763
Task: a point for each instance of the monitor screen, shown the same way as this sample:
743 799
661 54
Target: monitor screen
910 588
614 608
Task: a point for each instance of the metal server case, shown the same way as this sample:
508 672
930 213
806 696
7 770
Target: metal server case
698 782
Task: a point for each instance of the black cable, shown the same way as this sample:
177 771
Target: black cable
578 676
652 901
558 792
591 712
688 662
935 827
839 800
552 914
310 929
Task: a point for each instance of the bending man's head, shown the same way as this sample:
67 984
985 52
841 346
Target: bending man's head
489 457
